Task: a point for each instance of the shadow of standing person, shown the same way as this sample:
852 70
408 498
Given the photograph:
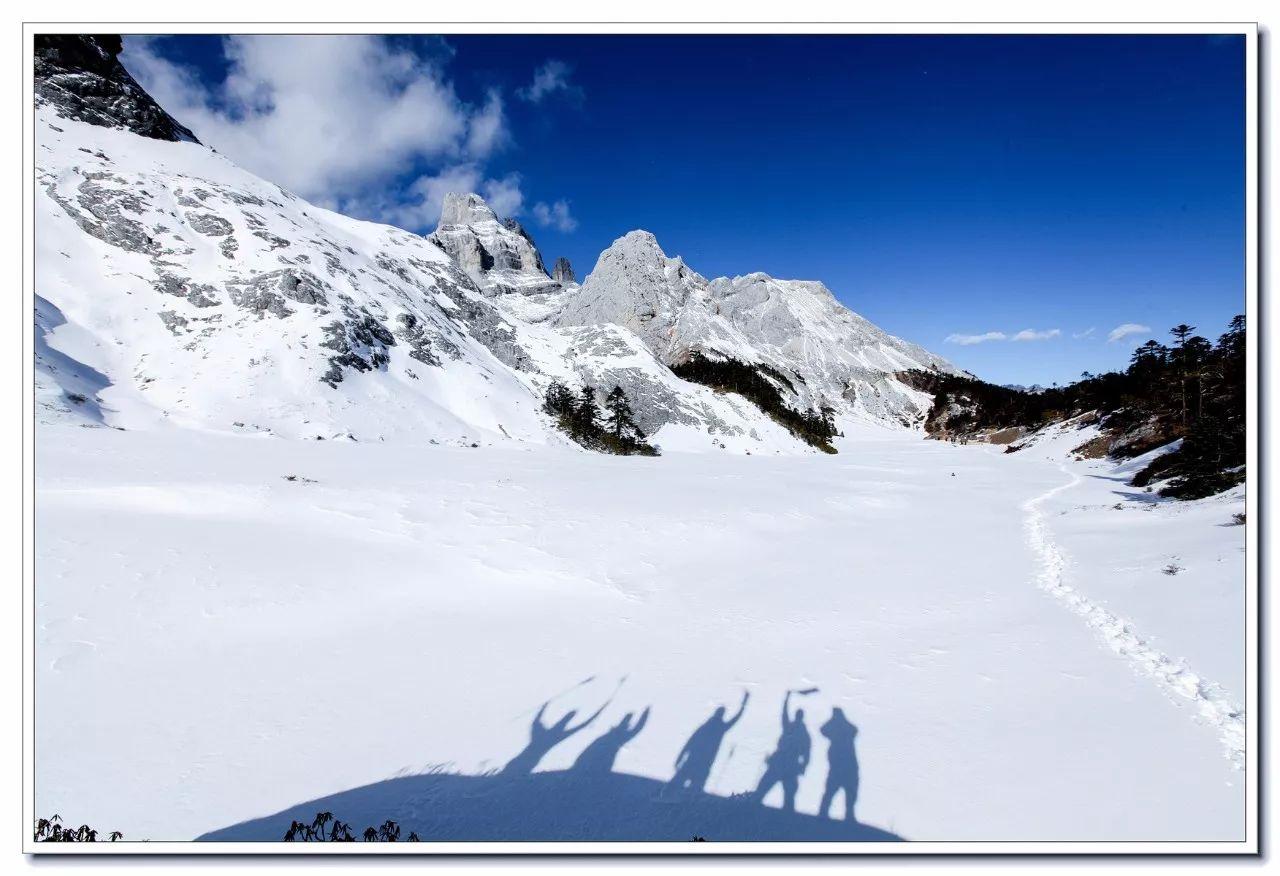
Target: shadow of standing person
694 762
543 738
789 760
842 764
600 754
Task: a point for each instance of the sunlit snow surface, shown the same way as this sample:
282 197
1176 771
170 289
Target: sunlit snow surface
216 642
234 619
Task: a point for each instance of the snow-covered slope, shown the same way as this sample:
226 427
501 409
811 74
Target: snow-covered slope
210 298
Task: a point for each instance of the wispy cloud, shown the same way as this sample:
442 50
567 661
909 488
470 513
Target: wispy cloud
1024 335
555 216
1090 332
551 77
1033 335
487 129
341 119
970 340
1126 330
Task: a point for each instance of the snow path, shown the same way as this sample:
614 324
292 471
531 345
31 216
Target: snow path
1210 701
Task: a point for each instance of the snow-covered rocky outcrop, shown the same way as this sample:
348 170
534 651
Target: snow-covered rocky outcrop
831 356
499 255
175 287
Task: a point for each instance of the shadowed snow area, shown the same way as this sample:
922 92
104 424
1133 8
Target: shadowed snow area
565 806
66 389
229 626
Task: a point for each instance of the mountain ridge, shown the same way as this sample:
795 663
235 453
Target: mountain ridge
207 297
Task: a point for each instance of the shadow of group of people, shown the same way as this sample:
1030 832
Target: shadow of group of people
784 766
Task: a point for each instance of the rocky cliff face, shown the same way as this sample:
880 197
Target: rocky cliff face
82 77
635 285
562 272
499 255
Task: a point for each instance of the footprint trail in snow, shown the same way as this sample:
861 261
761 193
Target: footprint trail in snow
1210 701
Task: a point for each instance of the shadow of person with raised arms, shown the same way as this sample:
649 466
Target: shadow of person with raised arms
602 751
789 760
842 764
543 738
694 762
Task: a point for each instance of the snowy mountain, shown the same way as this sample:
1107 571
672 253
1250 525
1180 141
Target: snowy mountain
794 327
175 287
497 254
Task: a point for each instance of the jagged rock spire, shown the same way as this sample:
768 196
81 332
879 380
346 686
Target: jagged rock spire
499 254
562 272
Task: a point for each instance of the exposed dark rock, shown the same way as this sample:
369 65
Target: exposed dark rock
82 77
360 342
259 229
98 210
199 294
174 322
410 331
209 224
266 293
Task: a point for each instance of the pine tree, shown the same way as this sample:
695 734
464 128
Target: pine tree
1181 333
558 401
620 420
586 416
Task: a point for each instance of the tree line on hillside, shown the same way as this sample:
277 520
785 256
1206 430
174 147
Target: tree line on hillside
1191 388
753 383
612 429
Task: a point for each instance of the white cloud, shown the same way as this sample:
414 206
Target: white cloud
555 216
970 340
329 117
1024 335
1127 329
551 77
504 195
1087 333
1033 335
487 130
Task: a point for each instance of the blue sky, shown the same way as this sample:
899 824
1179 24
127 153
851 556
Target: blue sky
952 189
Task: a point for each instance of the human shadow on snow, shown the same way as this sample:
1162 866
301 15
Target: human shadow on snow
592 802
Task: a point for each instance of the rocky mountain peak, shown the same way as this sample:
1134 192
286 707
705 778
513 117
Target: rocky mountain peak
82 77
562 271
498 254
462 208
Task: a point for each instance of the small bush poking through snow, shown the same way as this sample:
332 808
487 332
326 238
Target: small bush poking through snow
1172 569
325 828
50 830
1237 519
